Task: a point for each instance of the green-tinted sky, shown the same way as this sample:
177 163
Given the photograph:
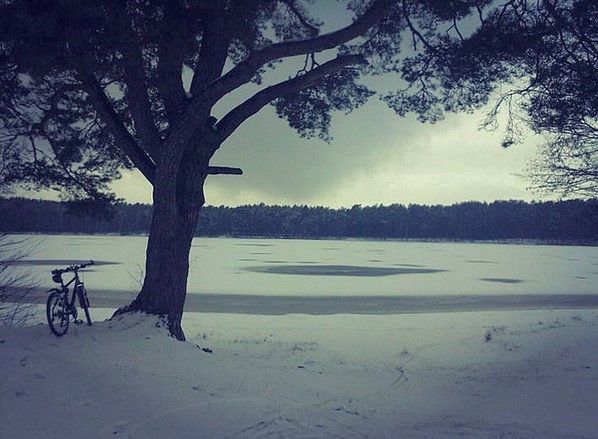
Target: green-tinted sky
375 157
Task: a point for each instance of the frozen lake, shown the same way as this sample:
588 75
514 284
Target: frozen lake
349 270
270 276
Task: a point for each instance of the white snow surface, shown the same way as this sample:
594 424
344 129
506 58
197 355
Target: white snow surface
510 374
226 266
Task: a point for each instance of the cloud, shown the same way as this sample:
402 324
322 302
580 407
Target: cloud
376 157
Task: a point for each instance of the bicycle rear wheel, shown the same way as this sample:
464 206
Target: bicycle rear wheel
84 302
57 313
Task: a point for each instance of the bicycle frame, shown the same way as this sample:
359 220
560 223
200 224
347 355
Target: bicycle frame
64 288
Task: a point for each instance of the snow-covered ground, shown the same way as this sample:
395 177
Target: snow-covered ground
510 374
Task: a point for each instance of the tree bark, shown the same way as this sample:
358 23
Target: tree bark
167 268
178 198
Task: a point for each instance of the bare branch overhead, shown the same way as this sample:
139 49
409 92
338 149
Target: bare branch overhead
127 142
246 69
235 117
135 78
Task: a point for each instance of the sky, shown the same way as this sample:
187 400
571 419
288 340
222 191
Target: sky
375 157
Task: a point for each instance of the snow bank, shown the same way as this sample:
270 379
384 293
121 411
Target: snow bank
518 374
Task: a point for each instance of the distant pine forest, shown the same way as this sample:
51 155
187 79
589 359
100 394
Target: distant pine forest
573 221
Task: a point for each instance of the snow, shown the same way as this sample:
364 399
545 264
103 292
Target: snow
253 266
509 374
486 374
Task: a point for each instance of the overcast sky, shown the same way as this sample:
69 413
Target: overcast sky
376 157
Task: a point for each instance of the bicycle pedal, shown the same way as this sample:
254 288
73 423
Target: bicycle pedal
78 322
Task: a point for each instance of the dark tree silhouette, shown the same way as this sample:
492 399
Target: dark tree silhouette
563 222
561 95
544 53
90 87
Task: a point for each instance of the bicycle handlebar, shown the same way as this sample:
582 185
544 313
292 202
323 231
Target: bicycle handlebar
73 267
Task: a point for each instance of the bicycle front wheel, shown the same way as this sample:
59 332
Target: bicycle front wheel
57 313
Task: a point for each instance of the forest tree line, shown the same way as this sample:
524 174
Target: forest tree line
572 221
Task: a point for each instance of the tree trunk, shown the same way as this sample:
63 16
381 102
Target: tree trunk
178 197
167 268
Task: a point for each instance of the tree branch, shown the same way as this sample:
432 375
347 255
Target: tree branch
219 170
171 54
247 68
229 123
416 33
116 125
290 4
134 77
214 50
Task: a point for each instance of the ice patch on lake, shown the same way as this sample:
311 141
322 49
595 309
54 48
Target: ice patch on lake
339 270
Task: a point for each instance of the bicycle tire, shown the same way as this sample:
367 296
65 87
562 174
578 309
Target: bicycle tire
84 302
57 313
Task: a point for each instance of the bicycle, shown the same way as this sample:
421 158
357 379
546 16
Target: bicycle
60 308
